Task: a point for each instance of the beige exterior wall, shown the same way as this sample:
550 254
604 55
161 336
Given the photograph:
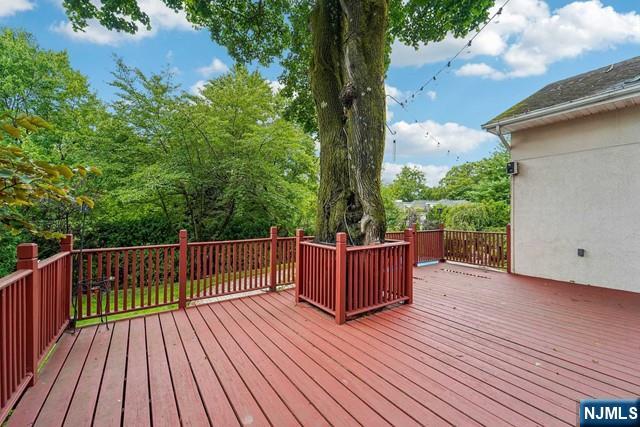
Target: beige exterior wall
579 187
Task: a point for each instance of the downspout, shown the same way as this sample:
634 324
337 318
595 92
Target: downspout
503 140
510 239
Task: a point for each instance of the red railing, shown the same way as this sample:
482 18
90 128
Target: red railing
138 277
317 275
347 281
55 299
429 245
488 249
34 310
483 248
376 276
228 267
143 277
15 370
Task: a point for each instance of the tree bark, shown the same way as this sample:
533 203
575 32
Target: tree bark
347 80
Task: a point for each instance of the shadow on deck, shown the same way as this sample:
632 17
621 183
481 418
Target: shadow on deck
476 348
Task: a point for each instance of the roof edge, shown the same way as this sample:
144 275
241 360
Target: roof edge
573 106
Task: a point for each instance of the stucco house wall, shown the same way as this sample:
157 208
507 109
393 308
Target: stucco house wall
578 186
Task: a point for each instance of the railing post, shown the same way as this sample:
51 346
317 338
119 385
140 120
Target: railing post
273 258
442 243
341 278
408 265
299 236
182 270
28 260
508 248
66 245
415 244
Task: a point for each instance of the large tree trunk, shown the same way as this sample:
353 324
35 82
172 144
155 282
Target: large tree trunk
347 79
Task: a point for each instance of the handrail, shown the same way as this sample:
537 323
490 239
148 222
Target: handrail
13 277
222 242
45 262
125 248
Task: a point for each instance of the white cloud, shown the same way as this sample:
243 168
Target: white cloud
394 92
162 18
275 86
528 37
11 7
480 70
412 139
433 174
198 87
431 94
215 67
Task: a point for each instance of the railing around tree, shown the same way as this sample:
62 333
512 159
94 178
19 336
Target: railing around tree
34 311
347 281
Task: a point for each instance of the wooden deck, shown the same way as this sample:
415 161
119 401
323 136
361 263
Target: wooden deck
476 348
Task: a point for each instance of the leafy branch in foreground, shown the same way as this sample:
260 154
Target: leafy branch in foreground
24 181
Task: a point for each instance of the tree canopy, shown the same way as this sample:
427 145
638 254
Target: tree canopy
334 54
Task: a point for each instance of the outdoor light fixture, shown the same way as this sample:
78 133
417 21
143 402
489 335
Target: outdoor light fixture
581 252
512 168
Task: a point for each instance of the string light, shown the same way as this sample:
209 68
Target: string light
434 78
466 47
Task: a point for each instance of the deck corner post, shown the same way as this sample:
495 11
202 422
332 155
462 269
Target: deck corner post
509 248
66 245
415 244
408 265
182 270
28 260
442 243
298 278
341 278
273 258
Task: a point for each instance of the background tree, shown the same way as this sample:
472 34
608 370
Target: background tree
224 164
42 110
409 184
482 180
342 63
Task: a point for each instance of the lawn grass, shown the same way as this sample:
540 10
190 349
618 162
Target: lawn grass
139 293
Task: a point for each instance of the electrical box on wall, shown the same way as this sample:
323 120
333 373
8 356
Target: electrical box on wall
512 168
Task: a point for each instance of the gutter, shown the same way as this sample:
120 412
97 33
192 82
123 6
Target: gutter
603 98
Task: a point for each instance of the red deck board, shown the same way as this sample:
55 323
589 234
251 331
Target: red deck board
476 348
136 404
80 412
357 407
55 407
265 395
361 365
323 401
549 327
109 407
192 412
217 405
243 402
32 401
164 409
362 382
456 402
295 400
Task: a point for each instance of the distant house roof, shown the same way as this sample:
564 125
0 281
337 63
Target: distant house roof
587 89
425 204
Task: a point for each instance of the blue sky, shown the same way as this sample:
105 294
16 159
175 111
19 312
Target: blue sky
534 42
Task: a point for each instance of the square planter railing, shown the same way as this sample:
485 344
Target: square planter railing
345 281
